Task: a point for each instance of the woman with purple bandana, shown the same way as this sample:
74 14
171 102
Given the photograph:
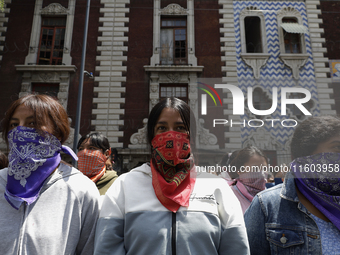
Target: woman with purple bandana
302 216
47 207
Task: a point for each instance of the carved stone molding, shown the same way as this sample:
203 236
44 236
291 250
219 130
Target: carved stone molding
54 9
250 10
47 76
255 61
174 77
60 74
153 102
174 9
154 88
261 138
206 140
288 11
295 62
138 140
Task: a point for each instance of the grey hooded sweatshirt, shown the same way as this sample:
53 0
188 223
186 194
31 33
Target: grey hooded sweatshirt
60 222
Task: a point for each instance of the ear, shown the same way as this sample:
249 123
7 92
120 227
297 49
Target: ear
107 153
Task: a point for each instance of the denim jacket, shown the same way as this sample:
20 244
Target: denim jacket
277 223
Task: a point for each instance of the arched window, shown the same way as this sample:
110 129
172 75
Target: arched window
253 34
253 31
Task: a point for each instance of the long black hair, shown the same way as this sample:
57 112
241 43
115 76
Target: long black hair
184 111
97 139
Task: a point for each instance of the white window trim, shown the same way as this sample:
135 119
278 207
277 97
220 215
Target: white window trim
54 9
34 73
253 12
289 12
173 10
295 61
254 60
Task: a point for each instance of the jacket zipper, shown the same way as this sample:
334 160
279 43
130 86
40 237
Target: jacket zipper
173 234
22 229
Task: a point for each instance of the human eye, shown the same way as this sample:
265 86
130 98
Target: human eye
13 125
181 129
160 128
31 124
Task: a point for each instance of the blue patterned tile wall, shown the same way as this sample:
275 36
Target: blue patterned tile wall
274 73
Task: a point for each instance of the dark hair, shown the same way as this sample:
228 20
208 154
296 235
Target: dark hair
97 139
240 157
44 108
311 132
184 111
3 160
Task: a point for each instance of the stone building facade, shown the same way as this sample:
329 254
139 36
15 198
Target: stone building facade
143 50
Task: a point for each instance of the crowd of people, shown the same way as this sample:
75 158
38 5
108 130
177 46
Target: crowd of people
163 206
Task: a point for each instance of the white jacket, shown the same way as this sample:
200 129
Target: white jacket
133 221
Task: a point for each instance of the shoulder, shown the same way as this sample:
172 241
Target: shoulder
139 176
76 182
268 200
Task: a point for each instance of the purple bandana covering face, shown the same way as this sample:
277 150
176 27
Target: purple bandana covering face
33 156
317 178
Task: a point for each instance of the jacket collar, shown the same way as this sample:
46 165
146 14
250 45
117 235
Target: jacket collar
288 190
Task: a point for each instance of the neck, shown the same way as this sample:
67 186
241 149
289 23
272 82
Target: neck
309 206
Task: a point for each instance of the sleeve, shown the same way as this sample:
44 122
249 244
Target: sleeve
234 237
110 226
255 223
89 215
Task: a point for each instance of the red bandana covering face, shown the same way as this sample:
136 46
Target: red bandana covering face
92 163
171 166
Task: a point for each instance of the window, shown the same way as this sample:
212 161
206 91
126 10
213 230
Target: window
253 34
179 91
50 89
292 41
173 42
51 41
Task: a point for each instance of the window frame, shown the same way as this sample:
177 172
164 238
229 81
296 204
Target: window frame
253 12
53 41
174 85
175 61
292 14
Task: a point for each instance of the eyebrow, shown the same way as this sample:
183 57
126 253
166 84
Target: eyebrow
164 122
30 117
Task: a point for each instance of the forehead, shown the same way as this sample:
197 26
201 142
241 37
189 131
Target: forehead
87 141
256 159
22 111
169 114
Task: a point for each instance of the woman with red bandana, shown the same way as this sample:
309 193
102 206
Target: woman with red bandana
93 156
165 206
